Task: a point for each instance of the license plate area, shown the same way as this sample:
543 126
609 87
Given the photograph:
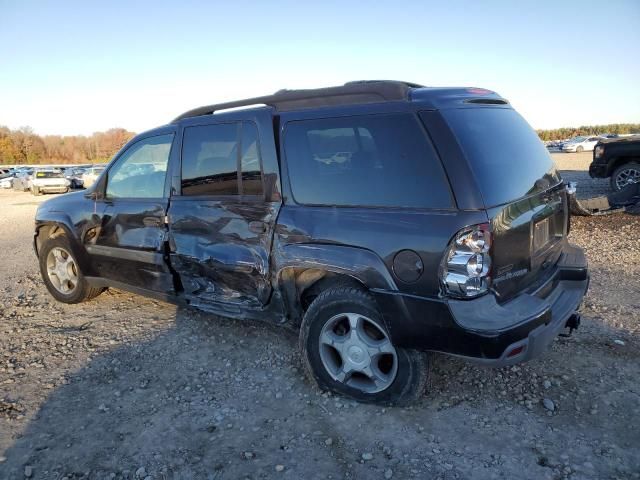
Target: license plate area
541 234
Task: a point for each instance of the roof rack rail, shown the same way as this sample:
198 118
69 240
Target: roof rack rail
363 91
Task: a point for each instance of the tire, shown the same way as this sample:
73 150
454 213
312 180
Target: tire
77 288
625 171
401 380
579 150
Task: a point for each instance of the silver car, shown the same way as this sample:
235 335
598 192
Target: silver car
49 180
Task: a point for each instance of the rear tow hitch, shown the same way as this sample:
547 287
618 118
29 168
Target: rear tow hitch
572 324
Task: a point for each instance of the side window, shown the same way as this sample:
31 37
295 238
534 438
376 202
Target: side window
374 160
140 172
250 160
210 159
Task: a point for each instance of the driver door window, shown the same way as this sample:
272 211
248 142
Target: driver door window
140 172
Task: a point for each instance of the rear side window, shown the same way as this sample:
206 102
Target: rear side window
505 154
209 160
250 160
212 155
374 160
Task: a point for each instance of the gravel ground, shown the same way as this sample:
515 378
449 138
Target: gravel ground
127 387
574 167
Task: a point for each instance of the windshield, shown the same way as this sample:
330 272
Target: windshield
49 174
508 159
577 140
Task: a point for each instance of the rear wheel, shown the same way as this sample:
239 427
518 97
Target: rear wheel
61 272
625 175
347 349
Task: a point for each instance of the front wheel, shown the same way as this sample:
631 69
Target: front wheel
35 191
625 175
346 349
579 150
61 273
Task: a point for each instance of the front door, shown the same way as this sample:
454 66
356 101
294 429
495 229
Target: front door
128 247
221 219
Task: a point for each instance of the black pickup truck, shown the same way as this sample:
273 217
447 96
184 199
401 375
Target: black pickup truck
619 159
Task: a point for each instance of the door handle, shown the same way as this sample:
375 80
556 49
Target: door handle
151 222
257 227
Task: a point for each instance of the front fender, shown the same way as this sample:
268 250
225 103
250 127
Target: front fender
60 220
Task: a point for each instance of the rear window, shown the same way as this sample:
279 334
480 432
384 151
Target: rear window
374 160
508 159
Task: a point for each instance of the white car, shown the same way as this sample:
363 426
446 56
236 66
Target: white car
581 144
6 182
49 180
90 175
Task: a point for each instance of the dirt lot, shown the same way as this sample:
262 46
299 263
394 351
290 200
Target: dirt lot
126 387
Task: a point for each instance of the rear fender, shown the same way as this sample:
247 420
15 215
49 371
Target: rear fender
362 265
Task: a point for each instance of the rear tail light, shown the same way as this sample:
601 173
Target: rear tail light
466 266
599 150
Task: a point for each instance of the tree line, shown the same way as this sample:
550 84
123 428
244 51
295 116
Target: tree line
23 146
569 132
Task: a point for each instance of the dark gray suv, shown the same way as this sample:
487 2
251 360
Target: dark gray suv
380 219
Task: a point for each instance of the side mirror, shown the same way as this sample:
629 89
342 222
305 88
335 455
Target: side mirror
94 195
99 188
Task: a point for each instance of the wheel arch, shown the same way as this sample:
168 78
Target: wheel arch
59 225
617 162
304 271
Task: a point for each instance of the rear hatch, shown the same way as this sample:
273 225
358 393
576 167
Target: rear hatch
524 196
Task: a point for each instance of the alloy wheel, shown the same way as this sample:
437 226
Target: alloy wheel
357 352
627 177
62 270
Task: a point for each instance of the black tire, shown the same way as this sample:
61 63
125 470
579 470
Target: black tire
579 150
619 170
82 291
412 366
35 191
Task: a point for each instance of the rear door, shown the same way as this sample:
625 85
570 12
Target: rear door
525 198
128 245
225 202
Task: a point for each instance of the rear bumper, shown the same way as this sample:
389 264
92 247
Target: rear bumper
484 331
598 170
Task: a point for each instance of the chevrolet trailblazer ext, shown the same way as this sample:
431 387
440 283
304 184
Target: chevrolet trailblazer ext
381 219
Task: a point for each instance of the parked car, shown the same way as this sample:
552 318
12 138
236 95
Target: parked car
617 159
581 144
75 176
6 180
90 175
22 181
422 234
49 180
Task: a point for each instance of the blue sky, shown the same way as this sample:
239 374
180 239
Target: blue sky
78 67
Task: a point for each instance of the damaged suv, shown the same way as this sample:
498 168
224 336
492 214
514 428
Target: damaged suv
381 219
